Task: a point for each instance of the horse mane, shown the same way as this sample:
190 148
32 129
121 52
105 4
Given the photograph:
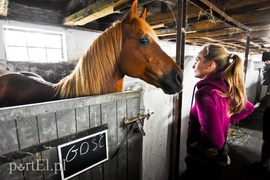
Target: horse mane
93 68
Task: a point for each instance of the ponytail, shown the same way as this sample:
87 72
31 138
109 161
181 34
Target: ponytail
234 77
232 67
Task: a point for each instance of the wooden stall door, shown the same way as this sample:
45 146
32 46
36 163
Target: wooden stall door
30 134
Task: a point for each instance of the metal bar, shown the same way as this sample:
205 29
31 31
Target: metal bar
139 117
176 131
246 54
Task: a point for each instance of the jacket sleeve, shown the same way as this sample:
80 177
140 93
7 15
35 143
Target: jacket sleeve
249 108
210 123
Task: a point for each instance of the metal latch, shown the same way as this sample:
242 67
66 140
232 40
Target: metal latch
139 120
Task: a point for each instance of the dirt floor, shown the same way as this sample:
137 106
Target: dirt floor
245 140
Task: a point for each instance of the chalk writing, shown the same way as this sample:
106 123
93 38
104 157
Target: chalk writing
83 148
82 154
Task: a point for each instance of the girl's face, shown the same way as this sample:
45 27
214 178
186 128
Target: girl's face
201 68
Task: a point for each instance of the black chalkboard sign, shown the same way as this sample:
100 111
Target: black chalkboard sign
82 154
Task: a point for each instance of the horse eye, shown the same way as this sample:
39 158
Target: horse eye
144 40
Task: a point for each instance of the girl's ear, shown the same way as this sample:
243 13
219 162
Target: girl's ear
212 66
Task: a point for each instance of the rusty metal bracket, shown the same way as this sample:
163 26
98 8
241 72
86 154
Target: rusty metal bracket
138 120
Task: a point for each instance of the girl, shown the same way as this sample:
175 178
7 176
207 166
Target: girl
219 100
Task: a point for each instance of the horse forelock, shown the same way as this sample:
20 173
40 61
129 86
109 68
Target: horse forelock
94 67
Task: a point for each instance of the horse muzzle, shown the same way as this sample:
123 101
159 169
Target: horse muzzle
171 83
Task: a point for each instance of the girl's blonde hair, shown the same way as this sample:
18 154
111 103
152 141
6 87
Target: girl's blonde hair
233 71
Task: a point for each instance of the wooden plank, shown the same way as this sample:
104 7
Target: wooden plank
33 167
108 112
87 175
61 122
122 158
76 178
95 115
10 171
27 132
12 113
52 164
82 123
134 142
205 4
47 127
93 12
8 157
48 131
8 137
65 122
82 118
72 4
95 120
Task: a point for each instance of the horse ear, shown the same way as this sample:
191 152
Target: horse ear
133 10
143 15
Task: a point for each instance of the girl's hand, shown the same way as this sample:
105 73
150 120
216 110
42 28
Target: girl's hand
212 152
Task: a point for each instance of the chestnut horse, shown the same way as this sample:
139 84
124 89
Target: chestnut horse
129 47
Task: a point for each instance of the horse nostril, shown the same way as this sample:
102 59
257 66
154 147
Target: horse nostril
179 78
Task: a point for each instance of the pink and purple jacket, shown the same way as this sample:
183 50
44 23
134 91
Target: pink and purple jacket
209 122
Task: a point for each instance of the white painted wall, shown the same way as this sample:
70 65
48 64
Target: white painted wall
253 75
188 84
158 129
77 41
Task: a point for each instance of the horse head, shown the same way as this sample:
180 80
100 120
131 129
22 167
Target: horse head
142 57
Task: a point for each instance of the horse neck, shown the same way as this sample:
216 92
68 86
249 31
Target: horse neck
76 85
96 72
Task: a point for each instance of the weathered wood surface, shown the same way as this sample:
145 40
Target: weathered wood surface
30 125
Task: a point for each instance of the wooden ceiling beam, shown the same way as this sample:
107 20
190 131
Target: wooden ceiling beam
266 39
162 18
72 4
206 5
195 33
254 18
245 6
222 37
204 40
93 12
171 16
